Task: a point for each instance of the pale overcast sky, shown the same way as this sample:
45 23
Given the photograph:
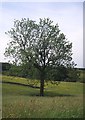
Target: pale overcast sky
68 15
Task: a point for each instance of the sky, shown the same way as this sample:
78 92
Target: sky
68 15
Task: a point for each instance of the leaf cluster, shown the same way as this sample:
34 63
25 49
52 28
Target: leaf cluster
40 44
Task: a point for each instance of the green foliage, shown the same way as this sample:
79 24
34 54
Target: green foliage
40 45
24 70
57 74
73 75
6 66
82 75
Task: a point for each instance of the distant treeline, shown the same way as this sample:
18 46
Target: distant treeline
59 74
7 66
81 68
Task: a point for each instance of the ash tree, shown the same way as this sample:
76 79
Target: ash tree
40 44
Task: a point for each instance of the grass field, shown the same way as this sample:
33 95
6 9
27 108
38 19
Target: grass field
60 101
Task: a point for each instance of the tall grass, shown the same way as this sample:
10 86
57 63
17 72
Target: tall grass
46 107
62 101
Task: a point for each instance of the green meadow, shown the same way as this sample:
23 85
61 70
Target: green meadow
64 100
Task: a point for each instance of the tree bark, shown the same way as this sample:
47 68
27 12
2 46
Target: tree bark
42 84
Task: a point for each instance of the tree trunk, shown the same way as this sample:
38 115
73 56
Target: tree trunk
42 84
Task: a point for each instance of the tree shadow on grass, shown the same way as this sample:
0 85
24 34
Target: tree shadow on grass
60 95
49 94
35 92
56 94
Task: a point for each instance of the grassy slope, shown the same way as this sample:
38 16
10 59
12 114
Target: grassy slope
64 100
15 79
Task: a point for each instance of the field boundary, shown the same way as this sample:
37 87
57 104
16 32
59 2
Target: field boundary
20 84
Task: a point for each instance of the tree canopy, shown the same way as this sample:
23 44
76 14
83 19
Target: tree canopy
40 45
